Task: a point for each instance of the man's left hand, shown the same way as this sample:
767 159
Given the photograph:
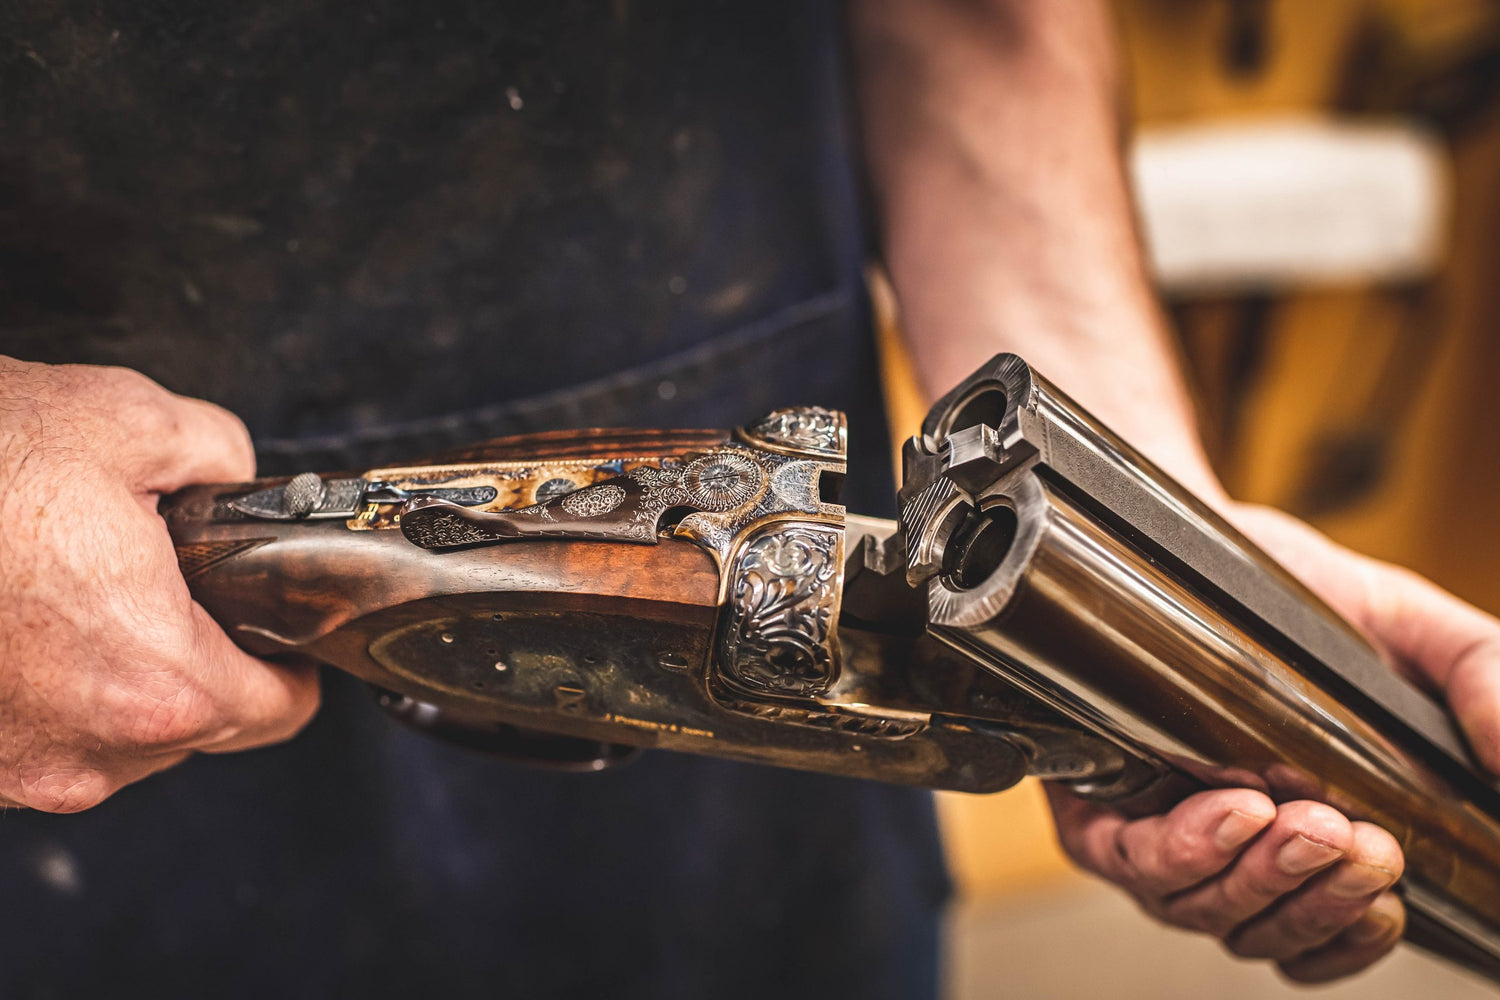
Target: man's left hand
1297 882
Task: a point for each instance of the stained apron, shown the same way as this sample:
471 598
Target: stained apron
383 229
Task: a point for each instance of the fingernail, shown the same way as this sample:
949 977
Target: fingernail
1303 855
1236 829
1372 928
1354 881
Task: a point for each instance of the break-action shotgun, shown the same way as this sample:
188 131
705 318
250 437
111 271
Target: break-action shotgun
1048 603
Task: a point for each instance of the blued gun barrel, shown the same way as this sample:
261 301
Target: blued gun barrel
1062 560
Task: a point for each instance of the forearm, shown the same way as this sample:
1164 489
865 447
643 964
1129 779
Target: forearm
993 141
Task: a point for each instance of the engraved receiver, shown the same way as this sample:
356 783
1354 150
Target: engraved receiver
564 598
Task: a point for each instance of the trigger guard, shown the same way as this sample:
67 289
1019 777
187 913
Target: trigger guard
504 741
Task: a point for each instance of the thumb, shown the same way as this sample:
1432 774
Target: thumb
1447 640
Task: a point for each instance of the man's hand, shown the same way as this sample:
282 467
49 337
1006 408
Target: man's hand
1299 883
109 670
993 136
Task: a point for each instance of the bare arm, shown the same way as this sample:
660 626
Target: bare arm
993 140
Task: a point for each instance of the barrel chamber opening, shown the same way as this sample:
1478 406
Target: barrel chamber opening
985 405
979 544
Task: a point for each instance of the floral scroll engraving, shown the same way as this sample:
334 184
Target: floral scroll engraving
783 600
593 501
805 428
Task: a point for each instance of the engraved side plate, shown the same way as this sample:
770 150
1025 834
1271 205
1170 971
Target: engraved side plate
784 585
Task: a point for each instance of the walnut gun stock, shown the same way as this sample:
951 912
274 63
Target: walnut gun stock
565 597
1048 603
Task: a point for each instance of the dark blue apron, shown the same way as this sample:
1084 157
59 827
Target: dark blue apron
386 228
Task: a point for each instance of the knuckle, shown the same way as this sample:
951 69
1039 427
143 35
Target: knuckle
1389 591
301 713
1157 909
1303 972
1295 971
282 730
1181 855
64 789
132 383
1192 917
1405 577
1125 864
1206 912
121 389
1073 836
125 380
148 417
238 448
1083 859
164 710
1476 662
267 722
1241 947
1311 925
1067 841
1256 886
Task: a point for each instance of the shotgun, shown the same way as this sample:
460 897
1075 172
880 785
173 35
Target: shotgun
1048 603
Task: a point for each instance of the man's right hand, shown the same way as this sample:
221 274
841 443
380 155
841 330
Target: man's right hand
108 669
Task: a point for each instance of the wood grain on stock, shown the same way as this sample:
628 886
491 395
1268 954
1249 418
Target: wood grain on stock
283 586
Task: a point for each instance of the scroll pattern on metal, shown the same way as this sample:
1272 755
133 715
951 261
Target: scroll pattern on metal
593 501
782 603
306 495
309 495
724 491
628 508
803 428
824 717
446 530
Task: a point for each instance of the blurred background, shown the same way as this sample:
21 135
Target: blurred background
1318 187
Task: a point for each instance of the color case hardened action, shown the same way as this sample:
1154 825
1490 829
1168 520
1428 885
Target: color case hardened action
1049 604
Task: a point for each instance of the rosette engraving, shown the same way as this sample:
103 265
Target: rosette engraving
722 481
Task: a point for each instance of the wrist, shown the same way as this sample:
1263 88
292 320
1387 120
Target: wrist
1124 379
